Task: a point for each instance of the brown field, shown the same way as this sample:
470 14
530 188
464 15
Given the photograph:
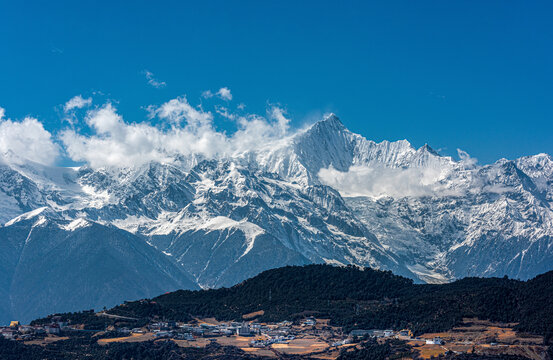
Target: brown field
132 338
427 351
332 354
253 314
47 340
238 341
322 322
302 346
260 352
477 335
208 321
200 342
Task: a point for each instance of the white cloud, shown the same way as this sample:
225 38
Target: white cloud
377 180
152 80
277 114
26 139
177 110
224 112
77 102
466 160
363 180
115 143
180 130
207 94
223 93
105 120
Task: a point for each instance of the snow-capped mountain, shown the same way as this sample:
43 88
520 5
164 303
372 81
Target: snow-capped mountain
75 238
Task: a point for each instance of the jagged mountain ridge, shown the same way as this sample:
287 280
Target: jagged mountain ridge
223 220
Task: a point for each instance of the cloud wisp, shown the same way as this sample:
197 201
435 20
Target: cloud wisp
153 81
443 178
76 102
376 181
223 93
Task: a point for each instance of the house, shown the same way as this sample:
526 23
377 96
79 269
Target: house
406 333
285 323
14 324
124 330
378 333
155 326
343 342
227 332
52 329
361 333
309 322
26 329
435 341
8 333
171 324
39 330
256 328
258 343
197 330
185 336
163 334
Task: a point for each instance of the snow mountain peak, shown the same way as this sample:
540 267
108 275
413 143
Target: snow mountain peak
321 195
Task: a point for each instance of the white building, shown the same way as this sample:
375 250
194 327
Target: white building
435 341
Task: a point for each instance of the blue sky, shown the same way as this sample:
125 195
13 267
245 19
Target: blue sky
454 74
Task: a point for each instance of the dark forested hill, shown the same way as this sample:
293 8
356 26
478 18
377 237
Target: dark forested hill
361 298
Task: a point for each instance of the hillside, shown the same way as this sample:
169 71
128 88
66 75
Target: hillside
361 298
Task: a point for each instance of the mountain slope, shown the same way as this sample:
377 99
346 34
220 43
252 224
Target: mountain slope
321 195
64 266
432 212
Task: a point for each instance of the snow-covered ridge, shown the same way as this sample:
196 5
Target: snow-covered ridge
27 216
76 224
324 194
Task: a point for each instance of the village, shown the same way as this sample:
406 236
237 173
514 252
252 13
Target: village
310 336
